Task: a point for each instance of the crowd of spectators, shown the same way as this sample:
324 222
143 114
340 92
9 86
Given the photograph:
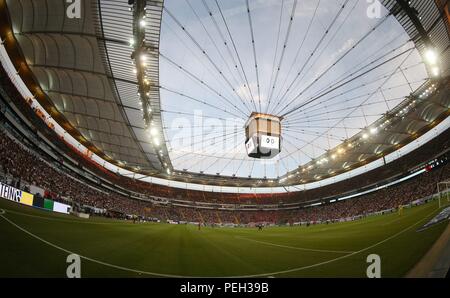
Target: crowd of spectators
385 199
398 167
25 166
18 163
22 166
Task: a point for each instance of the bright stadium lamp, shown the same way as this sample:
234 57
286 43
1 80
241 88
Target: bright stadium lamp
153 132
156 141
431 57
435 71
432 60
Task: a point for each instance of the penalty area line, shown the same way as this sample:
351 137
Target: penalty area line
346 256
296 248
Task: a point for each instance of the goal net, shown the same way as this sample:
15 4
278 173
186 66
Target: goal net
443 189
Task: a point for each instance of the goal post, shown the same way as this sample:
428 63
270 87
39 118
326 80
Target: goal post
443 189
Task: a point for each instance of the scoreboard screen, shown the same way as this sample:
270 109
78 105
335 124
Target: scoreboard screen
269 142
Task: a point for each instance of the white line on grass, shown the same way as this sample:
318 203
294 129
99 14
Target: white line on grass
346 256
239 276
296 248
90 259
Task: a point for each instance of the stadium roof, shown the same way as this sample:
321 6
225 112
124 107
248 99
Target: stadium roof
352 81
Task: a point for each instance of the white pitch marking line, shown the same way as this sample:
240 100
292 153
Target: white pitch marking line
240 276
346 256
90 259
296 248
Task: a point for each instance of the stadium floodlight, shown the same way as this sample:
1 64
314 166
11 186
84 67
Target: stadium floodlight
431 57
142 23
373 130
435 71
156 141
153 132
131 42
365 136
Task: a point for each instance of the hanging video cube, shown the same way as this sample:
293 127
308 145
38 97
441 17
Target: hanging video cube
263 136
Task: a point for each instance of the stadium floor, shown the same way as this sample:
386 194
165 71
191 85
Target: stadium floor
36 243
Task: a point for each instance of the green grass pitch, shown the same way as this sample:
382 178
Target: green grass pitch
36 243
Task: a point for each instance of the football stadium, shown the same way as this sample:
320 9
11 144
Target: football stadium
252 139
